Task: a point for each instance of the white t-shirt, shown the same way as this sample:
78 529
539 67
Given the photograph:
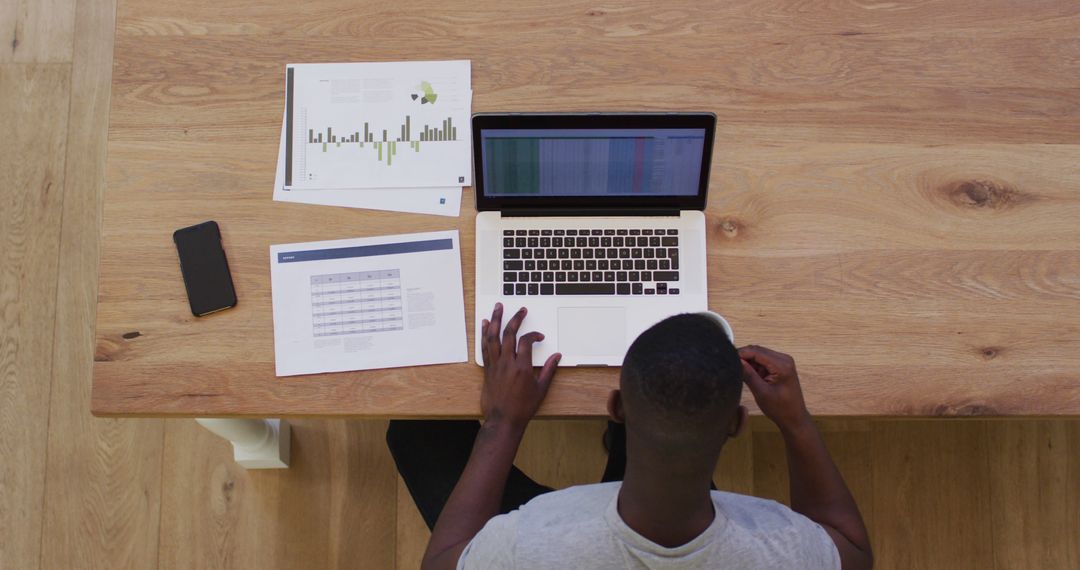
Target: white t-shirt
580 527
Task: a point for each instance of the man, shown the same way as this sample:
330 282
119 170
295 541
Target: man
678 399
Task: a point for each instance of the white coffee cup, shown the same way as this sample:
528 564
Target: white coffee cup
722 322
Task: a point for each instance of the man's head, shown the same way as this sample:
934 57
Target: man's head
680 387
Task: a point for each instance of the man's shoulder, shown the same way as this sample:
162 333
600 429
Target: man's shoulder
582 498
747 510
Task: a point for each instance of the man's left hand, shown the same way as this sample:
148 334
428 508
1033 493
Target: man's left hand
512 390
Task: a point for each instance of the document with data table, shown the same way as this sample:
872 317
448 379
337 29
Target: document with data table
366 303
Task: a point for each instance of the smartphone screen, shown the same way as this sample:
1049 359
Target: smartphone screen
205 269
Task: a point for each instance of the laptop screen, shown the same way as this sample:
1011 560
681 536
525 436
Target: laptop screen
592 161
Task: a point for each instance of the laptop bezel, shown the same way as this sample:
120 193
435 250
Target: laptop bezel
688 120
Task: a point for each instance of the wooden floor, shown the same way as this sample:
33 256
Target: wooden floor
80 492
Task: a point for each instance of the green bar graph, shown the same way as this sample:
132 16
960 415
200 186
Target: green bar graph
444 130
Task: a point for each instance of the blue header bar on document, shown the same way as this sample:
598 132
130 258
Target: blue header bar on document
365 250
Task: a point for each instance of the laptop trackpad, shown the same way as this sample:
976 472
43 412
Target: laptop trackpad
586 332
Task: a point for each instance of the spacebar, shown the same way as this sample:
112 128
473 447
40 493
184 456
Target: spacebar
584 288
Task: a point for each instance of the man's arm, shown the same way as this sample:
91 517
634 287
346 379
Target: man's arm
818 490
511 395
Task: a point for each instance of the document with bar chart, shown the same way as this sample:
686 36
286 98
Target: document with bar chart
378 125
358 304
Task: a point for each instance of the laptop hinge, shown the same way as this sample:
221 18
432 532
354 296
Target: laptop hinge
594 212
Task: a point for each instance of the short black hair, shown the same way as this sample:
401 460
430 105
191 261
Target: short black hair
684 375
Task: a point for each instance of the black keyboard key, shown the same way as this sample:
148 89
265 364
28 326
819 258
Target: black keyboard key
511 254
564 253
526 254
622 288
602 265
556 242
560 276
582 242
660 232
615 264
571 232
618 242
579 265
521 242
590 264
575 254
655 241
597 275
635 253
509 276
620 232
585 276
624 253
605 242
634 276
620 275
572 277
597 232
612 253
666 275
567 265
661 252
673 232
560 232
523 276
519 289
508 232
512 266
587 253
675 263
547 289
599 253
534 289
530 265
651 264
637 288
609 276
585 288
630 242
508 288
635 232
646 275
646 232
545 232
673 291
550 253
661 288
545 241
508 242
534 242
534 232
665 264
549 276
639 264
535 276
648 252
650 291
669 241
520 232
542 265
594 242
583 232
538 253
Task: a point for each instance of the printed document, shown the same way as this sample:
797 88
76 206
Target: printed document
366 303
378 125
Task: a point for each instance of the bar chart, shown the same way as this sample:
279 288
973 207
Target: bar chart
381 141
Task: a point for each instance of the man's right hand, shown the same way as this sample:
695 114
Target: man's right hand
774 383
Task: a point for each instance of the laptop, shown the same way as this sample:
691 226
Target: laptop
594 222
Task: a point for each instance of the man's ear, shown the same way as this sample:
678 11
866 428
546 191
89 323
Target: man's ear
737 422
615 408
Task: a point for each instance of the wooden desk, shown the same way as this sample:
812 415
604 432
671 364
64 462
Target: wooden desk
895 195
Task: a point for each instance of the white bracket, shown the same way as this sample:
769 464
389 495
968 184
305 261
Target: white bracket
257 444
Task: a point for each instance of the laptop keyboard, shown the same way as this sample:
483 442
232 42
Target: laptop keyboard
591 262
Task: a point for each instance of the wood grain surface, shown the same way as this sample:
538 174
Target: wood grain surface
893 199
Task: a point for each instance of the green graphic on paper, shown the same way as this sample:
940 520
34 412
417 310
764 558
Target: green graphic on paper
429 95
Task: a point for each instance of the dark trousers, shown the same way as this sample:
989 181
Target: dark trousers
431 454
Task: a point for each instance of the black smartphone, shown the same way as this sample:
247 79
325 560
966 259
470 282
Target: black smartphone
205 269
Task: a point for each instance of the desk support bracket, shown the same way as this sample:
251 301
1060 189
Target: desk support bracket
257 444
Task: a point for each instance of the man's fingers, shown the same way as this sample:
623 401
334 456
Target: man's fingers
496 320
510 333
525 344
547 373
752 379
768 358
484 340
